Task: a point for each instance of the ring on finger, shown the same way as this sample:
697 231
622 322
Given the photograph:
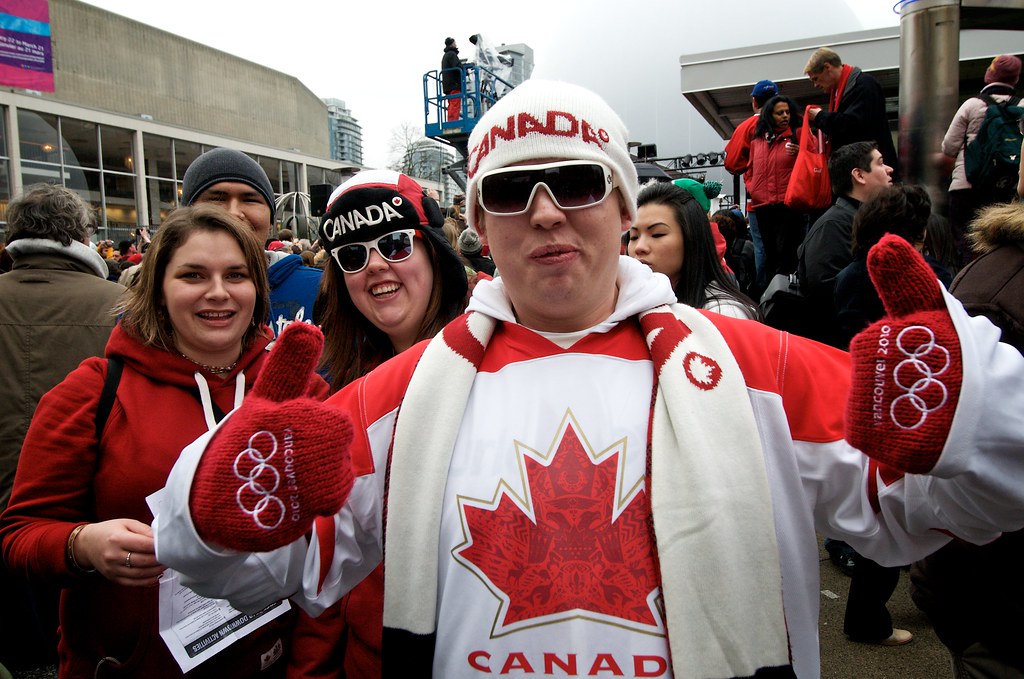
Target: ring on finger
128 560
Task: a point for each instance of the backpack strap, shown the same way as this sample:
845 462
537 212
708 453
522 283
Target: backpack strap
987 98
114 366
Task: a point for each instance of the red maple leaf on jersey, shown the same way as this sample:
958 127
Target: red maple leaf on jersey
574 557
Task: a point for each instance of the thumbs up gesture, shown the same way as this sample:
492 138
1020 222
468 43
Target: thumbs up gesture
281 460
907 367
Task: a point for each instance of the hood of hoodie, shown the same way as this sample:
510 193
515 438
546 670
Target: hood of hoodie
996 226
171 367
84 256
281 267
640 289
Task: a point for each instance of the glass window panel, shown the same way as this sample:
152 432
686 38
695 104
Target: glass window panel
3 132
289 177
119 191
85 183
272 166
333 177
163 199
79 143
41 173
159 156
184 153
38 133
5 189
118 150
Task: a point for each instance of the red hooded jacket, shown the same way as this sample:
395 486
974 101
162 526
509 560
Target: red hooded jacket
771 166
66 477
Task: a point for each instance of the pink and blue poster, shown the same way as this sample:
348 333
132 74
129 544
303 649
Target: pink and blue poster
26 57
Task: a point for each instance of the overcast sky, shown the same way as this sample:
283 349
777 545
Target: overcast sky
373 54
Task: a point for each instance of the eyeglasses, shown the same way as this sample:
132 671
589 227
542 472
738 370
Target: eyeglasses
393 247
572 184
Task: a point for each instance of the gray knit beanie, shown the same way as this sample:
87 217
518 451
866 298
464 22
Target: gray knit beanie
469 243
225 165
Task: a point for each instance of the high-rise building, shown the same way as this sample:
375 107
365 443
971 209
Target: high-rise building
522 61
426 161
346 134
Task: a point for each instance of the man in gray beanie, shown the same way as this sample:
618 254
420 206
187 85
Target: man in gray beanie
471 248
571 477
236 182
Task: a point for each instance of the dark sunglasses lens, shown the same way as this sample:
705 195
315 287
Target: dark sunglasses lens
508 192
576 185
395 246
572 186
352 258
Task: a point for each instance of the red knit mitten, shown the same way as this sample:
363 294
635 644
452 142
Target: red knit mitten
279 462
907 367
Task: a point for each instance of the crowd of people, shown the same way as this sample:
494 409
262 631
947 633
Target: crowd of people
540 432
828 253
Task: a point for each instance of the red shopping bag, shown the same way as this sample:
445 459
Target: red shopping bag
809 185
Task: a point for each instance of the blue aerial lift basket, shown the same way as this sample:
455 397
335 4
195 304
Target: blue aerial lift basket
480 89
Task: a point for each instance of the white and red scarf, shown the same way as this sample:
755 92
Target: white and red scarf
709 497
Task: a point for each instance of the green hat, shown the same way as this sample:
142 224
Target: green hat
696 190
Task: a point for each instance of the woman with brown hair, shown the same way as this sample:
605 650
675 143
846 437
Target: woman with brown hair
189 345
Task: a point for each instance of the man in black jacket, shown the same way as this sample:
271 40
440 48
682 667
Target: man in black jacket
858 172
451 80
856 107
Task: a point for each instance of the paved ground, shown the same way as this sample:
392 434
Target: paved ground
923 658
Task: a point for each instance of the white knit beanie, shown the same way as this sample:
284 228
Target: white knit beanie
544 120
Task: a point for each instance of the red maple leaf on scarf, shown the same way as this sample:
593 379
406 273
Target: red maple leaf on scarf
573 557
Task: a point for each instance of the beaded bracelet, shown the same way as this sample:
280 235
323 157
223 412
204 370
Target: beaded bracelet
69 552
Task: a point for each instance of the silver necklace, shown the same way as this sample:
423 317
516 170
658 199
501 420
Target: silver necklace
215 369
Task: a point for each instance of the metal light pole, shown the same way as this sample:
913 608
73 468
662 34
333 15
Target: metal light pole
929 83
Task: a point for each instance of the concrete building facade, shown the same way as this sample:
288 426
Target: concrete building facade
133 106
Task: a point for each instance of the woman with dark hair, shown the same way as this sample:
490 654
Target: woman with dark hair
393 279
189 344
903 210
381 296
672 235
773 152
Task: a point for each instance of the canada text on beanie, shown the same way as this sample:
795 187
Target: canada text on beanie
225 165
547 120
